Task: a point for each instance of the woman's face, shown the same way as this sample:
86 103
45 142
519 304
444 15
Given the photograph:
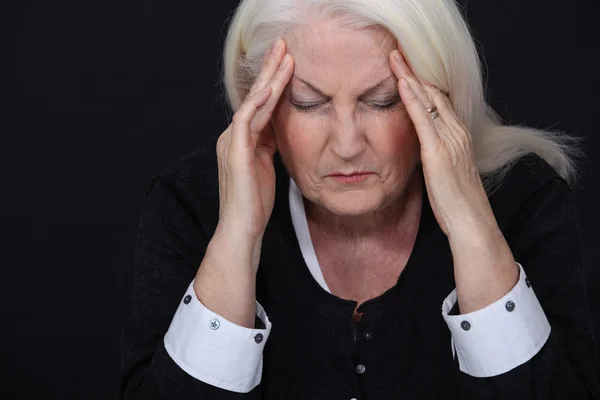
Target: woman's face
341 113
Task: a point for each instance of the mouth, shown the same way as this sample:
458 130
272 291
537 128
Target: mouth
353 177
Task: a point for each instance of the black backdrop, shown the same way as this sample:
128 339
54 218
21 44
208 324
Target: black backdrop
100 96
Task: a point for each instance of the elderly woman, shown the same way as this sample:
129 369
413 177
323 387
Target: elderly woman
364 229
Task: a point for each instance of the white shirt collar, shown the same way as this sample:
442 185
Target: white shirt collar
303 234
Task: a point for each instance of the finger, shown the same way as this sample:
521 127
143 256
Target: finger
416 100
261 121
240 135
402 70
278 84
418 114
424 103
448 124
399 67
269 68
444 106
267 143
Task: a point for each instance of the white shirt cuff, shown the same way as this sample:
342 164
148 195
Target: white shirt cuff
501 336
215 350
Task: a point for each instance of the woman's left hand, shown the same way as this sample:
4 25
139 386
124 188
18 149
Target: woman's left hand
456 193
484 267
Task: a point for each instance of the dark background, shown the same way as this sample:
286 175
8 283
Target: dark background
100 96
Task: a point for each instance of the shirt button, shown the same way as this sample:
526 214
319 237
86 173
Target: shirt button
368 336
258 338
527 282
510 306
360 369
214 324
465 325
187 299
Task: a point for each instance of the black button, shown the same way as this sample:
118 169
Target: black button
465 325
527 282
368 335
187 299
510 306
258 338
360 369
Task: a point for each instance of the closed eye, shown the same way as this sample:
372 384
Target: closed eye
386 106
388 102
378 106
305 107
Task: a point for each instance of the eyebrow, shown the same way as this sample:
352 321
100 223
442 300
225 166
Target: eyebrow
366 93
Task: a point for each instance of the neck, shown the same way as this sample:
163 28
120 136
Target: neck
388 221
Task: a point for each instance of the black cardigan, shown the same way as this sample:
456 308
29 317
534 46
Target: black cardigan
314 343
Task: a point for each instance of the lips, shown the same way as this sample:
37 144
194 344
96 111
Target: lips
350 174
351 178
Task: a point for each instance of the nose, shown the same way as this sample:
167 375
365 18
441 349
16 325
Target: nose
347 138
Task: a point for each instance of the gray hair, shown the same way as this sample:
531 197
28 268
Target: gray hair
438 45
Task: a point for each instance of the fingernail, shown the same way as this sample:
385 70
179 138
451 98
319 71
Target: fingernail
285 61
277 45
271 49
397 56
405 84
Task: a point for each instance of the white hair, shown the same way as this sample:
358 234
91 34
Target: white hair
437 43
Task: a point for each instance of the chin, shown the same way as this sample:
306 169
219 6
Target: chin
353 203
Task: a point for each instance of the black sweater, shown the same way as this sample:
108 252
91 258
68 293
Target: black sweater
314 344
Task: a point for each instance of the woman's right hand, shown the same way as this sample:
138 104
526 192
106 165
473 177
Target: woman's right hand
245 153
226 279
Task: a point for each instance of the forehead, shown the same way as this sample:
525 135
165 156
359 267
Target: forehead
335 57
